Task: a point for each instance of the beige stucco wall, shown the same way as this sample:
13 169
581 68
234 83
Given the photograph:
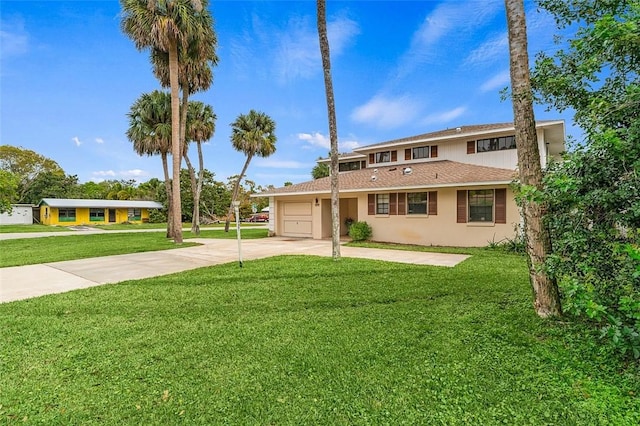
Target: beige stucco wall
437 230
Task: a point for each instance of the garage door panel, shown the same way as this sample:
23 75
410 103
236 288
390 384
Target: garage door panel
297 219
297 209
298 227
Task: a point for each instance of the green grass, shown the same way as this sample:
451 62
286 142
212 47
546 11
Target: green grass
30 251
305 340
10 229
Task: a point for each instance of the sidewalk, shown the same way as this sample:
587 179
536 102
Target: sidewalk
23 282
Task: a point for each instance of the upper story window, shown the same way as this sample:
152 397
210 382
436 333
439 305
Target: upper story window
348 166
496 144
421 152
383 157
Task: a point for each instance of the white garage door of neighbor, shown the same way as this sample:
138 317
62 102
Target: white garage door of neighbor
297 220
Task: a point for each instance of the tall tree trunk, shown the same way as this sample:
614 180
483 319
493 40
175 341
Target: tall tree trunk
537 238
176 153
196 200
167 187
333 131
195 224
236 190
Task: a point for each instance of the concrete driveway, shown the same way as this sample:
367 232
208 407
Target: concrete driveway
23 282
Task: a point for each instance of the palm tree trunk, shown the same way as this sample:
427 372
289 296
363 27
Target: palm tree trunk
333 131
236 190
538 241
196 200
176 153
195 224
167 187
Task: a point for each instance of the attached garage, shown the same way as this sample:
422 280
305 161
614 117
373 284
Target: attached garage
297 219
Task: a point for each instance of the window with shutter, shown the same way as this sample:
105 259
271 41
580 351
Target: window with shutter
501 205
433 203
461 208
401 203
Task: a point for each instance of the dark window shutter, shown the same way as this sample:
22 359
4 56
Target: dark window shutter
461 208
372 158
363 164
393 206
402 197
407 154
394 155
434 151
433 202
372 204
501 205
471 147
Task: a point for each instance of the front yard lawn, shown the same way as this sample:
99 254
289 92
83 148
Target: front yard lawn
30 251
297 340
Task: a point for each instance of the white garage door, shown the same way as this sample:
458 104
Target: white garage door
297 221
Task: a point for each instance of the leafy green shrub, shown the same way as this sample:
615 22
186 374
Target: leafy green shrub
360 231
157 216
594 219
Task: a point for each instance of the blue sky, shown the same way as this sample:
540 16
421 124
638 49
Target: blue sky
400 68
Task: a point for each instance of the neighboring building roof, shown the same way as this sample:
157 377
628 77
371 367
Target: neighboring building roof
99 204
345 156
432 174
456 132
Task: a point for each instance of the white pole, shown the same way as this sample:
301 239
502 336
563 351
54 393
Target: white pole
236 205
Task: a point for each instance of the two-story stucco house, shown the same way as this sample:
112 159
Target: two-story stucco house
445 188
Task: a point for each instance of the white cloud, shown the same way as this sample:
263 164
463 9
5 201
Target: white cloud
104 173
498 81
319 140
76 140
444 117
315 139
293 47
134 173
13 38
453 17
385 112
99 140
280 164
492 49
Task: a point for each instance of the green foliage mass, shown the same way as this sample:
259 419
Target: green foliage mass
593 195
360 231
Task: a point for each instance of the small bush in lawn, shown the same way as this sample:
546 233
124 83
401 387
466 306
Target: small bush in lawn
157 216
360 231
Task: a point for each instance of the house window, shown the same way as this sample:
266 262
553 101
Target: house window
134 214
421 152
382 204
496 144
348 166
481 205
66 215
96 215
417 203
383 157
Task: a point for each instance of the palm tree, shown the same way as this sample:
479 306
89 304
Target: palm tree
333 128
252 134
150 132
201 124
545 289
167 26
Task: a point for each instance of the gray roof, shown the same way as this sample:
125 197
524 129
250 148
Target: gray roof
99 204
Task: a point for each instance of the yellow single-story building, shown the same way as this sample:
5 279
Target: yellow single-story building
64 211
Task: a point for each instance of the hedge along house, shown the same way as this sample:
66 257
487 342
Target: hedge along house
446 188
61 211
